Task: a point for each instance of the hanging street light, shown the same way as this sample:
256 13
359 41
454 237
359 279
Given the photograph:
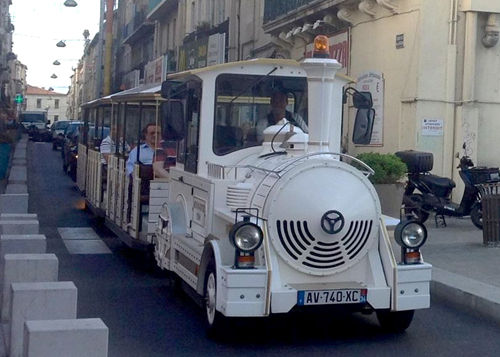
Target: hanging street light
61 44
70 3
56 63
53 76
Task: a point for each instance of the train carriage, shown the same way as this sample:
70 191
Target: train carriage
262 217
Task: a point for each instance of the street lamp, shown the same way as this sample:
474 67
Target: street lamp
53 76
56 63
70 3
61 44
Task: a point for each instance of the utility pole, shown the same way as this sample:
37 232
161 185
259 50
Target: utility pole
108 47
98 79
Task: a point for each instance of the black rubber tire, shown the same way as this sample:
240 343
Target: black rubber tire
476 214
72 172
395 321
65 167
54 146
411 206
215 322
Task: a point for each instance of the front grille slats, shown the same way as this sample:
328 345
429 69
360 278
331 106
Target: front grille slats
309 251
289 240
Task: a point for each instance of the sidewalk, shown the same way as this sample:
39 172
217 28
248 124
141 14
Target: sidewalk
465 273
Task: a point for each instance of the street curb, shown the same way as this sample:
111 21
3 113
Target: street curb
473 296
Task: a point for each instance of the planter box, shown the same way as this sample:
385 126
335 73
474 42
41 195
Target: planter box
391 198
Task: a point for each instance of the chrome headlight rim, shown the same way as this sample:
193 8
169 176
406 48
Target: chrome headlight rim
237 228
402 239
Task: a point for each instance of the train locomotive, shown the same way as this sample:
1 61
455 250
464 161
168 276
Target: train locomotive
291 223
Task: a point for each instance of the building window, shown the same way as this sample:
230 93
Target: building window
56 104
38 103
56 117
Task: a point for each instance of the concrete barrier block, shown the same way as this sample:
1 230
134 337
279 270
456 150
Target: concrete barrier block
22 244
14 203
18 217
18 173
22 145
19 227
38 301
62 338
25 268
20 154
19 162
16 188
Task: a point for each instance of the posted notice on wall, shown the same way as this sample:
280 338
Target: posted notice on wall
373 82
432 127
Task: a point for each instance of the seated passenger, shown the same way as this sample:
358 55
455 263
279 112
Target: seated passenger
148 152
279 101
108 146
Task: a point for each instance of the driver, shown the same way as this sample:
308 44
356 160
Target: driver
279 102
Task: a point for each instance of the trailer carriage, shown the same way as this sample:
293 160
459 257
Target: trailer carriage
262 226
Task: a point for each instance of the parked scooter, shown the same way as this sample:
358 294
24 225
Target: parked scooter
426 193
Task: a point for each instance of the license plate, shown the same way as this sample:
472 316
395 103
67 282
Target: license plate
330 297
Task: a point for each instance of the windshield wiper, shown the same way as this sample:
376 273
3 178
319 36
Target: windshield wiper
253 84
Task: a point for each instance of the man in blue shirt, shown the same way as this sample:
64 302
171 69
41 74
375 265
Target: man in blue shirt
152 133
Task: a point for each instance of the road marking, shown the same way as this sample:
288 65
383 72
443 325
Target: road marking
83 240
77 233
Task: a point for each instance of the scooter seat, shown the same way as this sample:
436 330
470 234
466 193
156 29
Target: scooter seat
438 181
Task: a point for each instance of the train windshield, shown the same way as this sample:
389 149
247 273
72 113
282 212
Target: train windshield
247 104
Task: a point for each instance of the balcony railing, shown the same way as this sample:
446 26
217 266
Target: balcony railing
274 9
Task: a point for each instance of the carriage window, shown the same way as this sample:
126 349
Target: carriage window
243 108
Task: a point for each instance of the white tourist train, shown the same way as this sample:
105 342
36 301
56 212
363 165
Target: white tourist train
258 217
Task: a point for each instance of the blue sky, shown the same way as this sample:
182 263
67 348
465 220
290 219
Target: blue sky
39 25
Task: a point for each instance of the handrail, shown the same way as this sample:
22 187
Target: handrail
219 171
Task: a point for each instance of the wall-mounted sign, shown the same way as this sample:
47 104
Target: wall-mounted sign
339 49
216 49
153 71
373 82
400 41
130 80
432 127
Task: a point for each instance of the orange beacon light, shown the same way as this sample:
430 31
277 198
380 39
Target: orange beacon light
321 47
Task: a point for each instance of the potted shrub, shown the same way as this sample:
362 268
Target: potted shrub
389 172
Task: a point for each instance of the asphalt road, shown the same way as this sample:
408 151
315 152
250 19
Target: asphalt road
148 318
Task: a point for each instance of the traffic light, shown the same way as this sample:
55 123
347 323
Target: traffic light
19 99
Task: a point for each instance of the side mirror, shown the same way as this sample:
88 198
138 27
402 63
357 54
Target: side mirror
172 114
48 122
362 100
363 126
168 89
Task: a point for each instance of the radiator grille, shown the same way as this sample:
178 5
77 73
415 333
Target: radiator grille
306 250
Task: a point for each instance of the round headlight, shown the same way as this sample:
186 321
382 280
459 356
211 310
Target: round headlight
410 234
246 236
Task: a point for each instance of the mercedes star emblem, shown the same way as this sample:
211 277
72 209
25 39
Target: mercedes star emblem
332 222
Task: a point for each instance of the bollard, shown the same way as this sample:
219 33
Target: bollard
19 227
38 301
18 217
25 268
16 188
18 174
14 203
63 338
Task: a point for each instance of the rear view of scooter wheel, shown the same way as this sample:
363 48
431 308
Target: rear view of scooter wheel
476 214
413 207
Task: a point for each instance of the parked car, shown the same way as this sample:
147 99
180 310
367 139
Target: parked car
57 130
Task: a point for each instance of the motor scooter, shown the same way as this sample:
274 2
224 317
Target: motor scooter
426 193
